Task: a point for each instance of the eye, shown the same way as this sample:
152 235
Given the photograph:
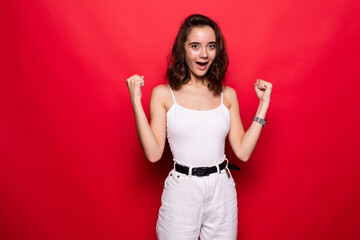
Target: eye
194 46
212 46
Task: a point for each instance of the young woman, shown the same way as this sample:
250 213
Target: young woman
196 112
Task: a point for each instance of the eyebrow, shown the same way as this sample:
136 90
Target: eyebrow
199 43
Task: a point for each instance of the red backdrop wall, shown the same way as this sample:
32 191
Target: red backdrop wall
71 165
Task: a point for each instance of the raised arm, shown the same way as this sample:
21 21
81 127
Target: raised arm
243 143
151 136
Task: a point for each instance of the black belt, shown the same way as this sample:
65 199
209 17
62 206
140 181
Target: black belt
199 171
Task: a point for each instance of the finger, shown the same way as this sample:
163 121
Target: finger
260 84
267 84
263 86
132 77
140 82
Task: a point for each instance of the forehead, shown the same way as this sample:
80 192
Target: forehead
201 34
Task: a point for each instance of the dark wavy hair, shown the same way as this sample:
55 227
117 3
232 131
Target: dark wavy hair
178 73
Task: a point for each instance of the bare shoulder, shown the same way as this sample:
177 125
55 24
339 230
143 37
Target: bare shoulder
230 96
162 95
161 90
229 91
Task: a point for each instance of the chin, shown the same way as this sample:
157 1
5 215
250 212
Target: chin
201 74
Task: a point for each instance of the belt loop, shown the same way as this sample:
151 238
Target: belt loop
227 162
190 171
218 168
174 164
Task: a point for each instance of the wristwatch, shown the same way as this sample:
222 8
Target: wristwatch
260 120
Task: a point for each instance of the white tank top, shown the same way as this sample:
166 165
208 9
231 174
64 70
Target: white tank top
197 138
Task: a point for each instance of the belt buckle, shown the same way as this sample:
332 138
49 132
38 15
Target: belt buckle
202 171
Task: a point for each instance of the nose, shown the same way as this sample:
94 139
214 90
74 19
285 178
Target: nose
203 53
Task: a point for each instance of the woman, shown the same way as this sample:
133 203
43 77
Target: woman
196 113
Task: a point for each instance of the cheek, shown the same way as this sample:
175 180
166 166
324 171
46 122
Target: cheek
190 55
187 59
212 55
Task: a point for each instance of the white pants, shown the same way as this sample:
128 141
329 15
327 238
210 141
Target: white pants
193 207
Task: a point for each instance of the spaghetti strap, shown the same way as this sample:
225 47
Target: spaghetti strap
172 93
222 95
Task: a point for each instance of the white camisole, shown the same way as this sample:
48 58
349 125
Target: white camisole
197 138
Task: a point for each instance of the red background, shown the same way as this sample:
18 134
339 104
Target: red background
72 167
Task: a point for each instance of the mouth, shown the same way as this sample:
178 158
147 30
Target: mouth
202 65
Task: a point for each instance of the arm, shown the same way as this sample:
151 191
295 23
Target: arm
243 143
151 136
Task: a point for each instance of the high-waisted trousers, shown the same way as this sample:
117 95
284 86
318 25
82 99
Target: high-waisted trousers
198 207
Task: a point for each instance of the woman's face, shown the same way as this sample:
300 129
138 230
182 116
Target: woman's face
200 50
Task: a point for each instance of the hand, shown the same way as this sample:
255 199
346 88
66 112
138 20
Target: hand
263 90
134 84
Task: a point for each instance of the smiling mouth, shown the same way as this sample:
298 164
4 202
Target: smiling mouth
202 65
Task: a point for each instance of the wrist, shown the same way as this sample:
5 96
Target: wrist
260 120
264 103
136 101
262 109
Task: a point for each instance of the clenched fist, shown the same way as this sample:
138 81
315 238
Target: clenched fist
263 90
134 84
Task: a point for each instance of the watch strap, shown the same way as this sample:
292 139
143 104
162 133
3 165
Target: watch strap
260 120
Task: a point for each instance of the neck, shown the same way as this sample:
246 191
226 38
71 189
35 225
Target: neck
198 81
